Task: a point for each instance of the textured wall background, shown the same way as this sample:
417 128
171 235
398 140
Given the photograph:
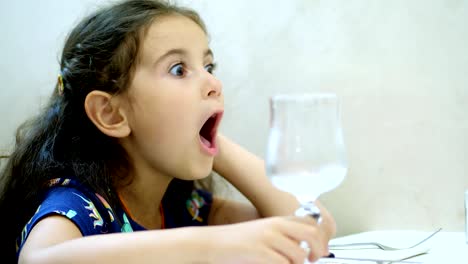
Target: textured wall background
399 66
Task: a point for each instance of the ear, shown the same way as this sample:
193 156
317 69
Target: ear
107 114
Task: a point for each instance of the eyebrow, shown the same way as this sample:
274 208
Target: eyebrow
183 52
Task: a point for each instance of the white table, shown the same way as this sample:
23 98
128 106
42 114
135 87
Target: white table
444 247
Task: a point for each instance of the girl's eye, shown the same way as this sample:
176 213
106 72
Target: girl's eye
177 70
210 68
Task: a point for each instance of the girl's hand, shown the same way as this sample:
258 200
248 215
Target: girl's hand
328 224
269 240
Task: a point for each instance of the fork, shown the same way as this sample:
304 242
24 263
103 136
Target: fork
382 246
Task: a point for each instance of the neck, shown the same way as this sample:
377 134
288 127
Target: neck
142 197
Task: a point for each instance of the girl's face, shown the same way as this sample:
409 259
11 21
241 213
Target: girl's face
176 103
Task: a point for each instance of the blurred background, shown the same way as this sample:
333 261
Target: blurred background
400 68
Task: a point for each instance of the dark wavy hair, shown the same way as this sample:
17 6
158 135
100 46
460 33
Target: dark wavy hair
100 53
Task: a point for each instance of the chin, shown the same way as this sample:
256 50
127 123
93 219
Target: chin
202 169
196 173
201 175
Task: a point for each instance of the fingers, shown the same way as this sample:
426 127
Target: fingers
317 242
290 249
317 249
308 220
275 256
306 229
328 223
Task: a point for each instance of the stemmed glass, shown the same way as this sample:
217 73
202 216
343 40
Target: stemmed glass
305 151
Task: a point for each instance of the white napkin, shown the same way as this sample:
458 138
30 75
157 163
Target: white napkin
379 254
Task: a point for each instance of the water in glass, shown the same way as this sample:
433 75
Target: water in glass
305 151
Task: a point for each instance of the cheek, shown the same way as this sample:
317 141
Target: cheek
172 123
165 114
163 141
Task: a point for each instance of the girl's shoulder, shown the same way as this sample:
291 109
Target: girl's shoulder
89 211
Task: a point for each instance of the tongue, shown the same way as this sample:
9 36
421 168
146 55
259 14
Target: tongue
205 142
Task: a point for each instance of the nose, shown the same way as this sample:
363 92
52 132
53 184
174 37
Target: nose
212 86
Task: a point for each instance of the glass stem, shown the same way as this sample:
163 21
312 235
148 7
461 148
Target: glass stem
309 209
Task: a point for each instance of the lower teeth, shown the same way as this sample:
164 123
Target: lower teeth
205 142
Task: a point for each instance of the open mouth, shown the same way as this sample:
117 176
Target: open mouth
208 133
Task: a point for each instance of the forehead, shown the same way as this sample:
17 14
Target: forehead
173 32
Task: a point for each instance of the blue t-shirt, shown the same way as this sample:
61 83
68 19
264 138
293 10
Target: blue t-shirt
91 213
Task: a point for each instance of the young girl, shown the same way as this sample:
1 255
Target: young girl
131 125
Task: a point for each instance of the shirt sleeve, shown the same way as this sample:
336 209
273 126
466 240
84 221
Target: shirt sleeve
72 204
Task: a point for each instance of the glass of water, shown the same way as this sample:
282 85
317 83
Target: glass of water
305 152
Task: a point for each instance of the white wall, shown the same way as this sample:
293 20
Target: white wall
399 66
